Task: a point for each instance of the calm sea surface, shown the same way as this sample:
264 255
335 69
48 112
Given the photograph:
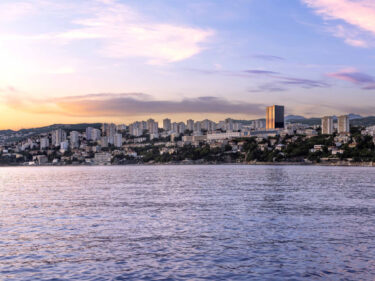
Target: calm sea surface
187 223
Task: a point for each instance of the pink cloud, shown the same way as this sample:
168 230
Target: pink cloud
359 14
367 82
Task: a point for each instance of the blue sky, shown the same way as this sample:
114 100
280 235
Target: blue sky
107 60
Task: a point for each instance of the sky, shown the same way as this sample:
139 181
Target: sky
75 61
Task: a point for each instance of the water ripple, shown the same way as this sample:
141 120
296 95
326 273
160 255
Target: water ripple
187 223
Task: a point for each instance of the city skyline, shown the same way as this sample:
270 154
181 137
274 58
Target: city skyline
122 61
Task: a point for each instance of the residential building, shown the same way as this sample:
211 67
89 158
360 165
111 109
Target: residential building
109 130
181 127
152 126
104 141
259 124
74 139
118 140
58 136
44 143
102 158
89 133
190 125
167 124
197 127
223 136
327 125
64 146
343 124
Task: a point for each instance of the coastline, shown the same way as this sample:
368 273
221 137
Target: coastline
326 164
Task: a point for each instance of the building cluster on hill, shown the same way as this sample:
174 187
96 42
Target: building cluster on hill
204 141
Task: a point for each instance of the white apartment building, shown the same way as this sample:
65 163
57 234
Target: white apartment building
89 133
343 124
44 143
190 125
118 140
167 124
259 124
58 136
223 136
74 139
197 127
64 146
102 158
109 130
104 141
327 125
181 127
152 126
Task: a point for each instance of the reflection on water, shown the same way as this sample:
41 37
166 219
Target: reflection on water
187 222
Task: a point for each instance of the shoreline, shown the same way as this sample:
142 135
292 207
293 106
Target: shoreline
340 164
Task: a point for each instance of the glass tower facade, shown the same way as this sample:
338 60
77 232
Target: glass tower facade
275 117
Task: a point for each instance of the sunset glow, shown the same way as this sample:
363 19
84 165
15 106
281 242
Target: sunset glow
115 60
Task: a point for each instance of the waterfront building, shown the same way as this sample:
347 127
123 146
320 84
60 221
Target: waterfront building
327 125
167 124
343 124
275 117
74 139
64 146
118 140
44 143
102 158
58 136
41 159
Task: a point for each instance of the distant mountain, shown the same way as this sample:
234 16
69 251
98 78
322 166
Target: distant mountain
307 121
355 120
247 122
353 116
12 135
364 121
68 127
294 117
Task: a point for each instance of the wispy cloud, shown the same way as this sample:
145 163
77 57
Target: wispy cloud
305 83
11 11
278 80
366 81
260 72
357 16
106 105
268 57
268 87
126 33
120 31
